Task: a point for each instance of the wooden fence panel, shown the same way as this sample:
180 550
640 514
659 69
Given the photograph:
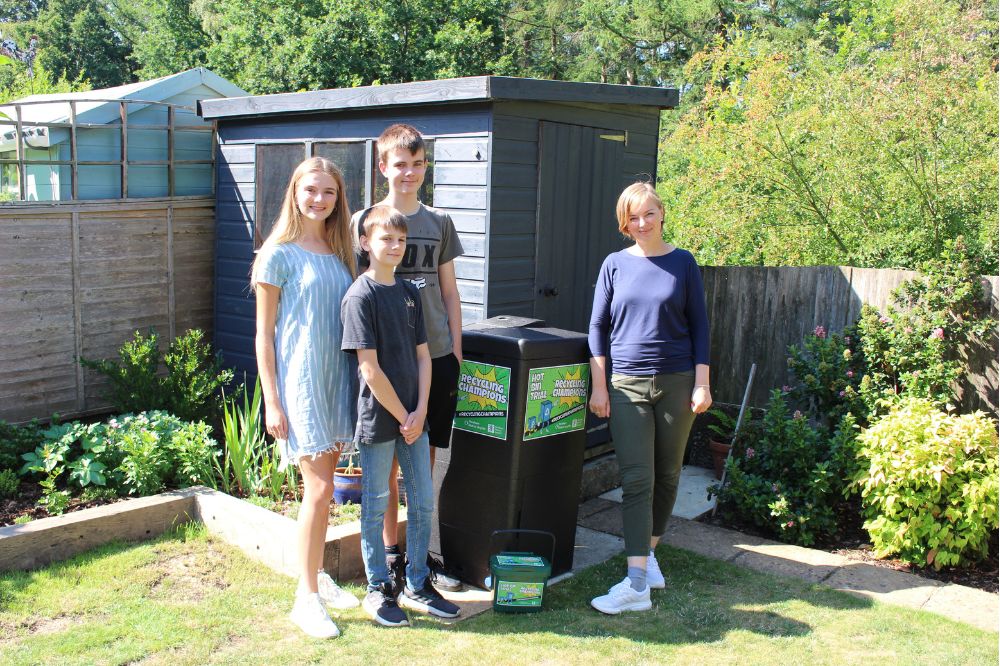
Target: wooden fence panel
756 313
79 278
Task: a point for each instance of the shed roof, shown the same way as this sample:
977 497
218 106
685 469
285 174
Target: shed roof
444 91
93 106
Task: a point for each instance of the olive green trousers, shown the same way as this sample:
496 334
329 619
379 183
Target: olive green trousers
651 418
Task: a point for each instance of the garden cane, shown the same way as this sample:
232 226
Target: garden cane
736 431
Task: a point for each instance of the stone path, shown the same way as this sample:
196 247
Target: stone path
600 527
599 538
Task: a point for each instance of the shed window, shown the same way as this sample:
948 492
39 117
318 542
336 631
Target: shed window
275 164
277 161
350 157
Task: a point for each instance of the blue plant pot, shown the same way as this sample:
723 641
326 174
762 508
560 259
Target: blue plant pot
347 488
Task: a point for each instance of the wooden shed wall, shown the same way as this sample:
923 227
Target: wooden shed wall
79 279
461 179
514 186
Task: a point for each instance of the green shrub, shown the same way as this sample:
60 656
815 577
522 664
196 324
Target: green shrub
17 440
914 347
9 483
190 389
929 489
787 475
137 454
151 450
829 369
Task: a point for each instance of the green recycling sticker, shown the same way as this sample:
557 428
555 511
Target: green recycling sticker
483 398
557 400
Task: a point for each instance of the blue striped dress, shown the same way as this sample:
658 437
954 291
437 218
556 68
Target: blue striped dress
314 375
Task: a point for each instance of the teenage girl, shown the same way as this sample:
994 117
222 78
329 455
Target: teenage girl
300 276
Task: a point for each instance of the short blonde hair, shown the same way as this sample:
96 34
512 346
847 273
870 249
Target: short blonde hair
631 197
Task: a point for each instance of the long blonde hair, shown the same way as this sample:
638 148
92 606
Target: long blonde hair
289 226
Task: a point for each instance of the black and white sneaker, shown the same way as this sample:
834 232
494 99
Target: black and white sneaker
381 604
428 600
439 576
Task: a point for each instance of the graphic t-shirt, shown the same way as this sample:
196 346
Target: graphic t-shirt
431 240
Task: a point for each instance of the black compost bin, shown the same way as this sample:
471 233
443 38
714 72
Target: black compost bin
517 447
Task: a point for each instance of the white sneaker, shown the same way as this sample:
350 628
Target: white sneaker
333 595
654 577
622 597
308 613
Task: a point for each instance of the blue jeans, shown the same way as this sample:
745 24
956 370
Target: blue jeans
415 463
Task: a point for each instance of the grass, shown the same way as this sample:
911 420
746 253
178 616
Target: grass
189 599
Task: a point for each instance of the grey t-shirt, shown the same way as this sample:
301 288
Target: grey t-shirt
388 319
431 240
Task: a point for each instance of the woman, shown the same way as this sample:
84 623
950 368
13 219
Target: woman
649 315
300 276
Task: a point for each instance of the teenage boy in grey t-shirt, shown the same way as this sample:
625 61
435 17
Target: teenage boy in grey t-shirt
383 324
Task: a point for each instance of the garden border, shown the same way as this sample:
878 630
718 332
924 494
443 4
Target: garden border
262 534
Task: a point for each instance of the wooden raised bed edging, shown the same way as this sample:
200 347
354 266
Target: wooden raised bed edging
263 535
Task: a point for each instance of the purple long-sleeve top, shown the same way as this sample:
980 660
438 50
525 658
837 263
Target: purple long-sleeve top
654 310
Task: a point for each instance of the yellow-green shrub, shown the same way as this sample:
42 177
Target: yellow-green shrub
929 484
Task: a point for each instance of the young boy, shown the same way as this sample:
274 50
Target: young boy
384 325
432 246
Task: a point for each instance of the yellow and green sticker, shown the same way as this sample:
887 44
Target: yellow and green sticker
556 401
483 399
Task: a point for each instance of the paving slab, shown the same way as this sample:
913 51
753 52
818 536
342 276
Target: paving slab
709 540
966 604
608 521
886 585
594 547
472 600
592 506
692 493
783 559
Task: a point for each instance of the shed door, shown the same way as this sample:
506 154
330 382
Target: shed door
579 180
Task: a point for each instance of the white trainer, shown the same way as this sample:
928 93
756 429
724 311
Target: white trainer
311 617
654 577
333 595
622 597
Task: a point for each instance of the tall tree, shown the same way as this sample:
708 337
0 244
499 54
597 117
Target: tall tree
78 38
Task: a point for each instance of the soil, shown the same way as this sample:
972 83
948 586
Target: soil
853 543
25 504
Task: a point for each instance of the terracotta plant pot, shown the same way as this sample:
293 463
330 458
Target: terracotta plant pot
347 487
720 451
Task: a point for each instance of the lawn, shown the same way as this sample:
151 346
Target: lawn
190 599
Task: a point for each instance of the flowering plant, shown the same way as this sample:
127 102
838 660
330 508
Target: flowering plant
788 475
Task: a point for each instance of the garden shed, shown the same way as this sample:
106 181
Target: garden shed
137 140
529 171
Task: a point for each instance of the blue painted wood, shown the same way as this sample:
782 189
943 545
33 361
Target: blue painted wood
445 121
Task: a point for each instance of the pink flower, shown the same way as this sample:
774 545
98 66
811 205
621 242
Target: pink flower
797 414
774 487
786 388
847 339
790 523
819 332
850 373
842 393
938 333
884 319
750 453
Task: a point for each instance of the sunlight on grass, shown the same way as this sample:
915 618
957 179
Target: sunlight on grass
189 599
